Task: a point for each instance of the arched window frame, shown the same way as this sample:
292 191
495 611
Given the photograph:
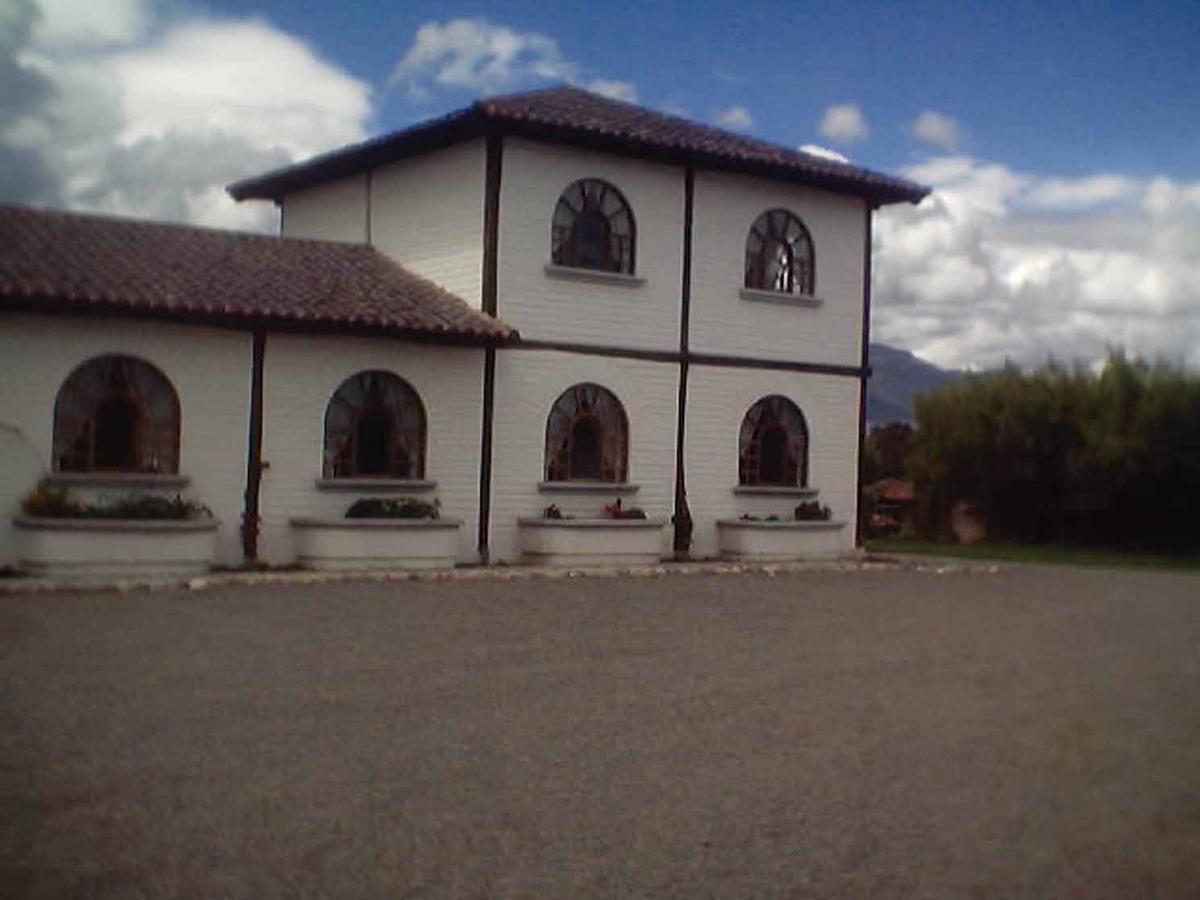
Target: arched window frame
794 271
126 379
364 392
593 196
769 413
587 402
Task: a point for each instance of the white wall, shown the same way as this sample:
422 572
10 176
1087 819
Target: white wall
726 205
336 211
427 214
300 375
527 384
718 400
544 307
209 369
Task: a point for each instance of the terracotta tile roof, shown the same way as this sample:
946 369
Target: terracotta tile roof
572 115
55 261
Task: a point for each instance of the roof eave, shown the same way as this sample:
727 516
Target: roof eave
251 321
474 122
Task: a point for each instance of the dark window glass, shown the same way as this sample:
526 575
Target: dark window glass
779 254
116 413
374 426
593 228
587 436
773 444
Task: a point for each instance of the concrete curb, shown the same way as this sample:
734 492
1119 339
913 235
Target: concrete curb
25 585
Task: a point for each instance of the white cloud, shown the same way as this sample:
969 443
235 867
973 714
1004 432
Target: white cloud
736 117
484 57
618 90
479 56
1082 193
94 22
937 129
844 124
118 108
1002 264
823 152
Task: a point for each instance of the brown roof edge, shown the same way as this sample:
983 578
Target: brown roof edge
238 321
675 143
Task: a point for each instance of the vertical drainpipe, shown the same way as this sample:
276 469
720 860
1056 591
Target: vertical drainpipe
489 301
683 515
865 373
254 463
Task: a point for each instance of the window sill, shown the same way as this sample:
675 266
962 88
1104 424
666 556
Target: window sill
587 487
406 485
128 480
594 275
774 490
812 301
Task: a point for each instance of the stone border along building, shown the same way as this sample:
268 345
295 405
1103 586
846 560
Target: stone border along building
544 299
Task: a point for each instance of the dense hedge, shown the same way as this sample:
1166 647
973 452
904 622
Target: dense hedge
1065 455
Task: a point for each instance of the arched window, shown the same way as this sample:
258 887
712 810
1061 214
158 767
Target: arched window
375 426
773 444
779 254
587 436
116 414
593 228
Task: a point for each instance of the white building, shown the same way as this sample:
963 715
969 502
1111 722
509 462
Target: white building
546 299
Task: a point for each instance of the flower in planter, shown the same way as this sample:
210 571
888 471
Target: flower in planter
616 511
812 511
553 512
394 508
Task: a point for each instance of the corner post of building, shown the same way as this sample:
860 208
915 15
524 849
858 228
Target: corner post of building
490 303
865 372
682 517
254 462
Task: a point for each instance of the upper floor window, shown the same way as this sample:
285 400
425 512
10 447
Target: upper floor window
116 414
773 444
779 254
587 436
593 228
375 426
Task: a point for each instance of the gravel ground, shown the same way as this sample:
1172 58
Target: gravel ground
1034 732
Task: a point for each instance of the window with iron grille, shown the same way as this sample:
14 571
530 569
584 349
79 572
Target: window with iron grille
593 228
779 254
773 444
116 414
587 436
375 426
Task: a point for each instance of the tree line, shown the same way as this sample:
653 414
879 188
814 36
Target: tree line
1061 454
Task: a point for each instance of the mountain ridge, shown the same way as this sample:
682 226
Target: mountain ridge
896 377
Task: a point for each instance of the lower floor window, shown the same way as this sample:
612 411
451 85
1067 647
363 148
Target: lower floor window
587 436
773 444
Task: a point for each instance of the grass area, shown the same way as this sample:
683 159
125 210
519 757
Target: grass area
1038 553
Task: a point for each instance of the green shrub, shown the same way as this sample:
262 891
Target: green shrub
812 511
46 502
393 508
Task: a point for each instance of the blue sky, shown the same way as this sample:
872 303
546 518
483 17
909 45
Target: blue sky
1062 142
1062 88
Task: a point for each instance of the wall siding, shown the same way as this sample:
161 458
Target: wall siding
527 384
336 211
300 376
427 214
718 399
544 307
209 369
726 205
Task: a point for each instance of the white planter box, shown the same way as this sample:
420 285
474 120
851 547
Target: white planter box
591 542
357 544
779 541
115 548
